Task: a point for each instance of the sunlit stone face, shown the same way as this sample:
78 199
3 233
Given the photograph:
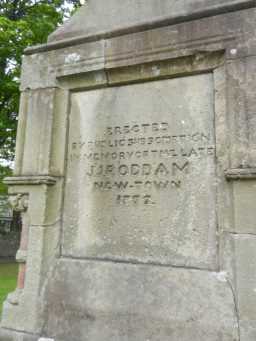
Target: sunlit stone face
140 182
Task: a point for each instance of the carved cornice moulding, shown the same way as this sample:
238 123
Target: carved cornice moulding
70 35
31 180
240 174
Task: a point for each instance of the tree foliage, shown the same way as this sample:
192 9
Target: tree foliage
22 23
4 172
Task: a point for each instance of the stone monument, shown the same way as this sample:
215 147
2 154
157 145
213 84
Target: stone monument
136 176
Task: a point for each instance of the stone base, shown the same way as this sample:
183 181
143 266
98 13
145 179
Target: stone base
90 300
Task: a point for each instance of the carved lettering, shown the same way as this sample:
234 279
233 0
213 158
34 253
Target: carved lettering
161 170
134 199
182 168
148 151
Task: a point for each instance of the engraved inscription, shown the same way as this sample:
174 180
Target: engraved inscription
155 162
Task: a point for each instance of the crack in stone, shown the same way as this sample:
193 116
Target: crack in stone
236 307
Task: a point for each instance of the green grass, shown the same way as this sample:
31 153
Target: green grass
8 280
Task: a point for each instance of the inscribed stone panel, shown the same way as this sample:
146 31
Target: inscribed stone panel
141 173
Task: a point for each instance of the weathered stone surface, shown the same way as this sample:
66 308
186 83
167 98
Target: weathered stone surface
245 253
38 128
115 15
248 330
232 33
41 70
244 207
131 172
241 100
105 301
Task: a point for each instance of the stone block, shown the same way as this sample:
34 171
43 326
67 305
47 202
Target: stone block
90 300
245 284
38 138
244 206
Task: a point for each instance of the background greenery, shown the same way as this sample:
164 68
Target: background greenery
8 279
22 23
